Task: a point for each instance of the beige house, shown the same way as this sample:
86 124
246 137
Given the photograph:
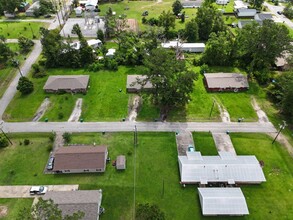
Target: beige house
132 84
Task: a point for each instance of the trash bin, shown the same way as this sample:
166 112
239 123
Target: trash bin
81 120
46 119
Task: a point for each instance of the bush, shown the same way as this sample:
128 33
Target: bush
49 147
52 136
66 137
60 115
147 211
25 86
101 36
95 67
38 71
111 64
204 68
3 142
26 142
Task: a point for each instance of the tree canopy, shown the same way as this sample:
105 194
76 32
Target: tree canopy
149 212
167 21
5 51
177 7
25 86
191 31
172 81
10 5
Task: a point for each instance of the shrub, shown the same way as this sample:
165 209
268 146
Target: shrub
204 68
3 142
26 142
38 71
25 86
111 64
52 136
66 137
60 115
49 147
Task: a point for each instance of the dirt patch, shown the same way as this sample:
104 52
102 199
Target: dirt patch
183 140
41 110
3 211
225 116
223 143
134 107
262 117
75 115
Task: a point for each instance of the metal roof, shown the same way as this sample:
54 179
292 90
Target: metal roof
226 80
182 45
222 201
65 82
226 167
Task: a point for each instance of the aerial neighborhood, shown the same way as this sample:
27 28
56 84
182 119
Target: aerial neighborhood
148 109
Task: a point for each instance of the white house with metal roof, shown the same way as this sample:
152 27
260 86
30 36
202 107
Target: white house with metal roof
187 47
222 201
225 168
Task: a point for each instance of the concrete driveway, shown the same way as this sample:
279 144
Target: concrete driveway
23 191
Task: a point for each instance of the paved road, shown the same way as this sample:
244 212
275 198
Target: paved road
25 68
218 127
27 20
23 191
274 9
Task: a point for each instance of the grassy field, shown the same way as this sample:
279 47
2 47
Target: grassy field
13 207
12 30
156 164
204 143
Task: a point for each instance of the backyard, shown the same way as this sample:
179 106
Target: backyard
157 176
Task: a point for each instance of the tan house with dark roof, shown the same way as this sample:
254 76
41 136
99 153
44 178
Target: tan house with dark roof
69 202
80 159
70 83
217 82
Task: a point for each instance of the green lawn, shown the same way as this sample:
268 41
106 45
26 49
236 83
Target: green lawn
204 143
273 199
13 207
12 30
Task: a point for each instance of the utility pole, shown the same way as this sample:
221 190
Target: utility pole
281 128
16 64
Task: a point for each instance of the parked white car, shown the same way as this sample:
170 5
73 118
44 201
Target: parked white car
38 190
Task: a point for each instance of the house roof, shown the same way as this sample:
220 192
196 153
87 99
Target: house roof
222 201
72 82
263 16
69 202
226 167
191 4
120 161
132 82
226 80
182 45
246 12
80 157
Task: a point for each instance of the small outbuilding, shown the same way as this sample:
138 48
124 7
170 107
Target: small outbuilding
132 84
80 159
23 6
222 201
217 82
191 3
121 162
262 17
67 83
187 47
30 11
222 2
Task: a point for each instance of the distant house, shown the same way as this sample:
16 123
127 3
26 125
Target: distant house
69 202
121 162
30 11
111 52
243 23
262 16
282 62
187 47
23 6
80 159
222 2
67 83
91 5
132 84
225 168
245 13
239 4
222 201
191 3
225 82
78 11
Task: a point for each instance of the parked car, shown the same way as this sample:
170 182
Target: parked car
50 163
38 190
279 12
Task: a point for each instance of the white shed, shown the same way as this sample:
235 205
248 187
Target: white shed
121 162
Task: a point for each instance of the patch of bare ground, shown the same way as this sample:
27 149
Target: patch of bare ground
76 113
41 110
133 108
225 116
262 117
3 211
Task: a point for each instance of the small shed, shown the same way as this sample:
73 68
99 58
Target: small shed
23 6
133 85
187 47
121 162
222 2
30 11
78 11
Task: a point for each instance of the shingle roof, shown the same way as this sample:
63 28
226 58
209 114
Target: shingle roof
69 202
72 82
132 82
223 168
226 80
222 201
80 157
263 16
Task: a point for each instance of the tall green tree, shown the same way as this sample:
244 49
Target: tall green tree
191 31
219 49
259 46
256 3
25 44
172 81
209 20
25 86
5 51
10 5
177 7
167 21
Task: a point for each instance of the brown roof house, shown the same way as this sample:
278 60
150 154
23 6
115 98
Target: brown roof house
69 202
70 83
80 159
132 84
235 82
